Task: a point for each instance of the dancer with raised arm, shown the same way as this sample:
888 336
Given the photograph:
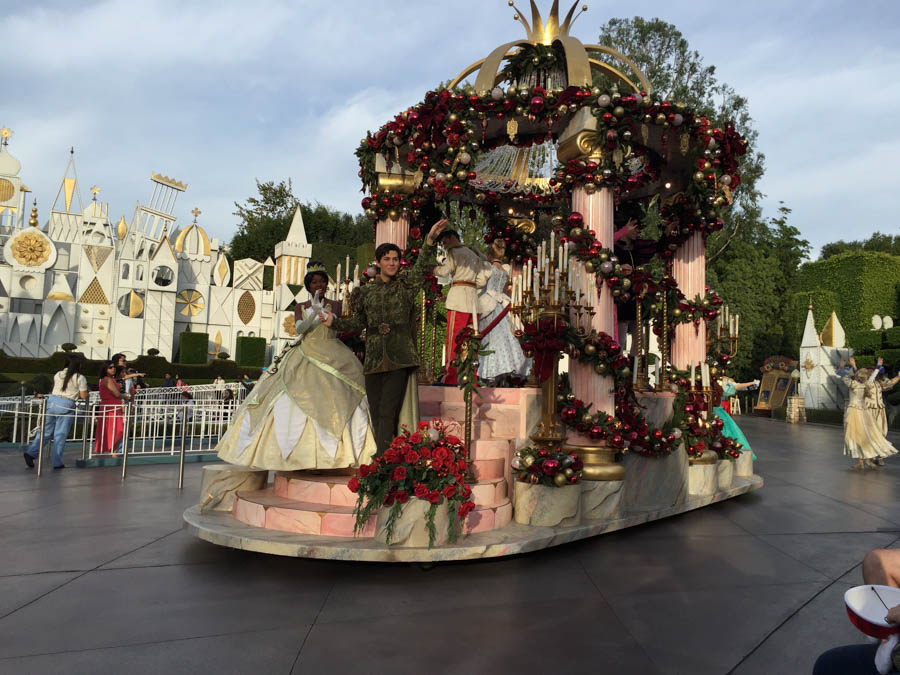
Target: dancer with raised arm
386 309
863 438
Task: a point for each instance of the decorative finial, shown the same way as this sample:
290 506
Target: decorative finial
5 135
810 302
96 191
545 32
72 150
33 221
196 213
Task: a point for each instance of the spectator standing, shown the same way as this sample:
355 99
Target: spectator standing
69 386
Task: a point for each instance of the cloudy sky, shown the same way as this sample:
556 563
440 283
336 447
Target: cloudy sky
220 93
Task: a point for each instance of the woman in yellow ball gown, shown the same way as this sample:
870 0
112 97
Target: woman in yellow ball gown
309 409
863 438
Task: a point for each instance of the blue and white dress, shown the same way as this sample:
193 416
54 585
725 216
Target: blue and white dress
506 357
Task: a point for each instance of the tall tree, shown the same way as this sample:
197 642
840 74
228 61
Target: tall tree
878 242
266 219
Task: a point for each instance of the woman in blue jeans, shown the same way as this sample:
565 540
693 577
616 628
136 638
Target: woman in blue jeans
69 385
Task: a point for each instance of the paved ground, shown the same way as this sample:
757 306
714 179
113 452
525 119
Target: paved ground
99 577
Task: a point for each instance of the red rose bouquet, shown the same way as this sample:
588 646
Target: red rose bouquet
426 464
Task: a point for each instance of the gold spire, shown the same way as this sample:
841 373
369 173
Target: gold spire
33 221
543 32
5 135
121 228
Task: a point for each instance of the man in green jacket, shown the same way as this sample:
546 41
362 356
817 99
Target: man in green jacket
386 309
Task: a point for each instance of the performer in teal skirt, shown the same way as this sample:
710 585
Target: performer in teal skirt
730 428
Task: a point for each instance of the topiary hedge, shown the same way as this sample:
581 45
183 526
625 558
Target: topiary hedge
825 416
250 351
891 358
193 348
891 337
865 341
824 303
863 282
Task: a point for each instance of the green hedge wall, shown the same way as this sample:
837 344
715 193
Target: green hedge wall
865 341
250 351
865 361
891 358
863 282
892 337
193 348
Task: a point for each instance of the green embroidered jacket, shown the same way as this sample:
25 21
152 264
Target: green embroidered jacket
387 312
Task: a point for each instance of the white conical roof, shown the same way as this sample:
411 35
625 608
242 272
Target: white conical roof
810 337
10 166
297 233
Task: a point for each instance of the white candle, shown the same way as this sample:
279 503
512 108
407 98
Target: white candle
704 374
344 305
474 317
552 244
347 268
737 324
536 290
731 325
693 376
556 285
355 274
444 354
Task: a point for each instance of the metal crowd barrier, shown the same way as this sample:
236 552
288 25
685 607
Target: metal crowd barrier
136 428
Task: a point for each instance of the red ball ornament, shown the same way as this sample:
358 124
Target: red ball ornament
537 104
575 219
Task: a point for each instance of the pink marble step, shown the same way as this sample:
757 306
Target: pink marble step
490 492
501 428
303 486
491 448
486 411
263 508
486 469
429 409
488 394
485 518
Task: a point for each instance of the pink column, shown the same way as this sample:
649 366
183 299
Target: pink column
392 232
689 270
597 209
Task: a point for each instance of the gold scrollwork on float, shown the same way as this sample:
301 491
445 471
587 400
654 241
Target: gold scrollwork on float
30 249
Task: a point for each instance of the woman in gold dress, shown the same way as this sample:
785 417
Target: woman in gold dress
863 438
309 409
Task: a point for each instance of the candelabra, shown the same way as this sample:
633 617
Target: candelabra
723 341
546 294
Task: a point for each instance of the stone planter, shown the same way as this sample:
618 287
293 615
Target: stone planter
743 465
703 479
544 506
725 471
601 500
221 482
410 529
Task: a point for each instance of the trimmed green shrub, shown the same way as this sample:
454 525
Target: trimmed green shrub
892 337
778 413
865 341
863 282
867 361
193 348
250 351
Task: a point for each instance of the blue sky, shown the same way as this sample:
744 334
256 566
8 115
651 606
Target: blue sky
217 94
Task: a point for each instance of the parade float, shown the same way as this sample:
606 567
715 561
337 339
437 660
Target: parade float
543 141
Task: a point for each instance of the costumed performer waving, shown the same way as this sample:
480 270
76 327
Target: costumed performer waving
731 429
504 358
863 439
875 400
386 310
469 272
309 409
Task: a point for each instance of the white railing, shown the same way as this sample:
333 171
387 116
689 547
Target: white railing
138 428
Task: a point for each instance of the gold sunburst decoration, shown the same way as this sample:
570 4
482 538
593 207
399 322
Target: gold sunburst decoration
30 249
190 302
808 365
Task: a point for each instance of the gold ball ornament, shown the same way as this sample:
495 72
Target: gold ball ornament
619 111
568 472
600 369
462 174
576 231
590 349
589 267
559 479
676 312
528 460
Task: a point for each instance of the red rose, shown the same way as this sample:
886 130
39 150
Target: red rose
415 438
402 496
414 232
449 491
392 456
411 457
423 426
466 492
425 453
465 509
389 499
353 485
461 464
399 473
453 440
364 470
420 491
434 497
